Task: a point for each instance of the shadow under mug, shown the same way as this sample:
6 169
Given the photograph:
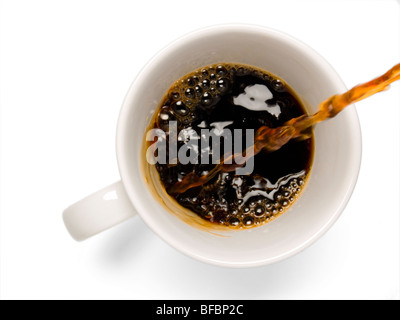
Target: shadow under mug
333 176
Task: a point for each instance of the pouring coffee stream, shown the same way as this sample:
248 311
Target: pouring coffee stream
272 139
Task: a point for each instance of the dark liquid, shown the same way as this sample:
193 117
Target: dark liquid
232 96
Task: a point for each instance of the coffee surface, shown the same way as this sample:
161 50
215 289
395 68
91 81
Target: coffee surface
222 98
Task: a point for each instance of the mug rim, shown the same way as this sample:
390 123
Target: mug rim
122 124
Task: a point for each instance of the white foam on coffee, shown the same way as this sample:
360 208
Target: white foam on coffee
255 97
219 126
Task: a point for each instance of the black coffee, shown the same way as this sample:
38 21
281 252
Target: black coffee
231 96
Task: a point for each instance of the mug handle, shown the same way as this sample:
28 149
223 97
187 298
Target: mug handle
98 212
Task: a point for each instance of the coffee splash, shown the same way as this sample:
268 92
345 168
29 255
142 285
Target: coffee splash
272 139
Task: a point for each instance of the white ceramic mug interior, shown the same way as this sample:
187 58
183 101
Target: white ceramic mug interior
337 144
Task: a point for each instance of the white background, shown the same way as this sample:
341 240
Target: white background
65 69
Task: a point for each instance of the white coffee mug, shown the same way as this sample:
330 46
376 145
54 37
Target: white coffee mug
333 175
